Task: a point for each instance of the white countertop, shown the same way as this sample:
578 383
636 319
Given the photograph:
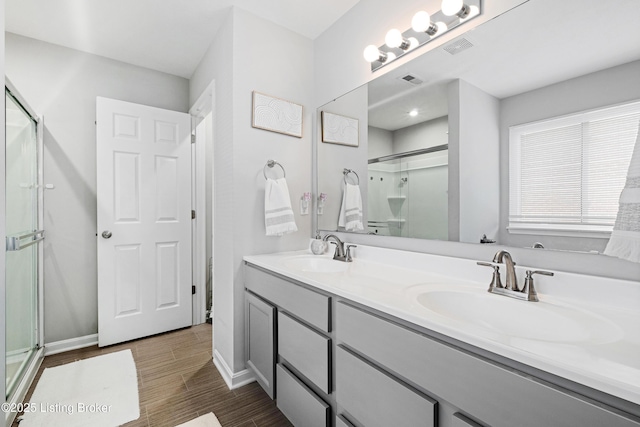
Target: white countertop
607 359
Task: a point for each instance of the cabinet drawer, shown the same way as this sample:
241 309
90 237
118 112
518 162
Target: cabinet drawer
312 307
306 350
299 404
373 398
470 383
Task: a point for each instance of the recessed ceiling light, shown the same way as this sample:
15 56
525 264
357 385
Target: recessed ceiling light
413 113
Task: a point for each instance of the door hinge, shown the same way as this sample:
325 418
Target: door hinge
193 139
193 214
193 289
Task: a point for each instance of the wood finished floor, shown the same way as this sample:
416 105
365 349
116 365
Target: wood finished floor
177 381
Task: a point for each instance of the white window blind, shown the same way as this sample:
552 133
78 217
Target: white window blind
566 174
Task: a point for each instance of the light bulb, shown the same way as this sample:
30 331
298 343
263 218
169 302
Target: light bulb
371 53
390 57
451 7
393 38
413 112
421 22
413 43
442 27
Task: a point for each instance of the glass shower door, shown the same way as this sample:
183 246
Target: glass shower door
22 237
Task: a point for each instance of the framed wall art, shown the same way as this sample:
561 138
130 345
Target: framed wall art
276 115
337 129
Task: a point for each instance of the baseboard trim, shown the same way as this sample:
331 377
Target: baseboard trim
70 344
233 379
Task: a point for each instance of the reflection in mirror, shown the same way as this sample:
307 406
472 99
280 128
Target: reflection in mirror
466 95
408 193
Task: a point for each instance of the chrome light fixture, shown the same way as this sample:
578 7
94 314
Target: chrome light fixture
424 28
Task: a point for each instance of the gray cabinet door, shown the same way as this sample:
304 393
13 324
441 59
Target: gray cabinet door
260 342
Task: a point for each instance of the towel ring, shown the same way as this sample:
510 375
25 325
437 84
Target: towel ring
272 163
347 172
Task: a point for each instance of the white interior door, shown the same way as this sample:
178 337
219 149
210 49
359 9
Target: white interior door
144 220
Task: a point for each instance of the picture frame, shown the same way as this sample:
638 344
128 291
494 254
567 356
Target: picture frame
276 115
338 129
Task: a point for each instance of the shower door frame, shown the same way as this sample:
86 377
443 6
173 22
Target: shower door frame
30 372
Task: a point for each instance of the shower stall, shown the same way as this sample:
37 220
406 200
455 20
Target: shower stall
408 194
23 226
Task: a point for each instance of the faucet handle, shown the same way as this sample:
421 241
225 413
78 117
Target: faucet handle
495 281
528 288
348 252
530 273
337 252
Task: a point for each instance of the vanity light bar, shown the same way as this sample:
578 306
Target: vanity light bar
425 28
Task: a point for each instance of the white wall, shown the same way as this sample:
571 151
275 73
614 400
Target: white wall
62 84
478 163
422 135
380 142
607 87
250 53
217 64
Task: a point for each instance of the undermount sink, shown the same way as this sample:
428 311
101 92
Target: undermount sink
315 264
500 316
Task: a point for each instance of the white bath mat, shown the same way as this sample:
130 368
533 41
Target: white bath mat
99 392
207 420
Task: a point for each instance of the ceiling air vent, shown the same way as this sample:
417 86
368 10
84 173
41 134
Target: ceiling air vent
410 78
458 46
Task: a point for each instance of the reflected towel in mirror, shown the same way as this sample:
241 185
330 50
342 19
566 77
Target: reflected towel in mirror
351 209
278 215
625 238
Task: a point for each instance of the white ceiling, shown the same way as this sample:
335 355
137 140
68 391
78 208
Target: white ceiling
537 44
165 35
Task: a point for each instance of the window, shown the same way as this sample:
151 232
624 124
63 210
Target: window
566 173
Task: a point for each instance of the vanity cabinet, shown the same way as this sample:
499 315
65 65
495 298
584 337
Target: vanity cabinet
302 352
331 362
483 389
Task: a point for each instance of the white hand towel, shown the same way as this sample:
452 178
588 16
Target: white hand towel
278 215
625 238
351 210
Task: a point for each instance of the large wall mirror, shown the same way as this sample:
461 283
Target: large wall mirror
428 142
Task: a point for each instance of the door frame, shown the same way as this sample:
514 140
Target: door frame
201 110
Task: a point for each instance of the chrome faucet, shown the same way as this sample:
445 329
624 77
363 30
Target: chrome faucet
527 293
340 254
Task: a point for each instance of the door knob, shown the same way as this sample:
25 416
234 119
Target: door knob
106 234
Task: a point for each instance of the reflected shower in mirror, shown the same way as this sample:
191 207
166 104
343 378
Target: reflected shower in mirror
408 193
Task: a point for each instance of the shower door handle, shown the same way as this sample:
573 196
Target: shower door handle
15 243
106 234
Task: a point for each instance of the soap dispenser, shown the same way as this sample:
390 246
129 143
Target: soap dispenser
318 246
